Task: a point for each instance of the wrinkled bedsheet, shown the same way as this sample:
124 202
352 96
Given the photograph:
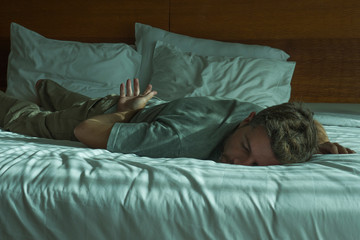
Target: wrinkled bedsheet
62 190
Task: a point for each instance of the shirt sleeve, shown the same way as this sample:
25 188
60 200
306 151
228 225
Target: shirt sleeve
155 139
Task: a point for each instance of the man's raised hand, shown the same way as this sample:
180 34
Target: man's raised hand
131 99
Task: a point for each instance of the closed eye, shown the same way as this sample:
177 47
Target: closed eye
245 144
245 148
248 147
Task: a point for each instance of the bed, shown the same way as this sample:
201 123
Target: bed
259 51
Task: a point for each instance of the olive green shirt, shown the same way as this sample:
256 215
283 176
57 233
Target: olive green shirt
189 127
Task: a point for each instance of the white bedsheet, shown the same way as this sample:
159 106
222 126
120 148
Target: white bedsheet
63 190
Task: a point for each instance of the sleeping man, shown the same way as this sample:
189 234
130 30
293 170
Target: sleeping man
223 130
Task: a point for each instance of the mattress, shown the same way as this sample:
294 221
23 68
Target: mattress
52 189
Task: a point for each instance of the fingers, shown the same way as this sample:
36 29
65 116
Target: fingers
122 90
149 95
148 89
129 91
343 150
136 87
334 148
350 151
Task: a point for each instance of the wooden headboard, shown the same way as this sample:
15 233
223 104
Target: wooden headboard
323 37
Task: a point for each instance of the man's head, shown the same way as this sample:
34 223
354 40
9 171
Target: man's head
280 134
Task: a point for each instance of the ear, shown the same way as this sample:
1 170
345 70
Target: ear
248 119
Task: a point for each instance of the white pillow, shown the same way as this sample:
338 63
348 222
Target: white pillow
177 74
146 37
92 69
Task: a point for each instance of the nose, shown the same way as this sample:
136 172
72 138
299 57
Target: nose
245 162
237 161
225 159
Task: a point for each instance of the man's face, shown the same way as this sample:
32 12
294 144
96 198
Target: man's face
248 146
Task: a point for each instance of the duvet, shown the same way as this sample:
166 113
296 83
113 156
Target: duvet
53 189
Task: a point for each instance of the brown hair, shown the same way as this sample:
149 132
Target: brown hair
291 129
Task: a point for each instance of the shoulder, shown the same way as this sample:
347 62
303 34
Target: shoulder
221 105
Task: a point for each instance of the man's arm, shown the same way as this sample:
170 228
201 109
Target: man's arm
94 132
327 147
